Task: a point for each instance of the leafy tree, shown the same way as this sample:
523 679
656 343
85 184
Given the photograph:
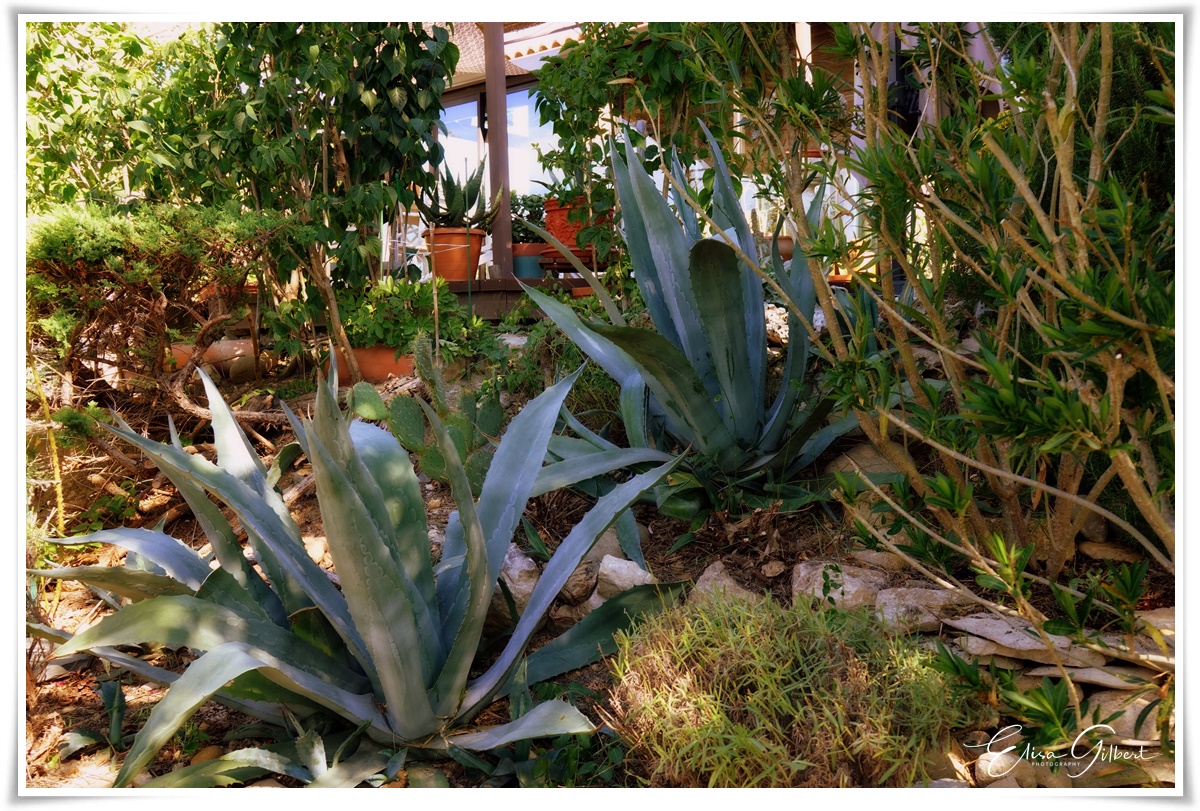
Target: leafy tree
85 83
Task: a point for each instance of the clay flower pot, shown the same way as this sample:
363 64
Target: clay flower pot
377 363
455 251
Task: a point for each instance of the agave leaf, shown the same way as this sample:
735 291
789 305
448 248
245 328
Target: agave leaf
398 628
207 476
691 225
281 537
201 625
591 639
475 579
72 742
216 773
630 538
506 490
294 421
737 364
579 468
585 433
633 406
554 577
801 290
223 539
221 588
178 560
667 259
728 214
676 385
611 359
390 467
131 584
234 453
209 673
548 719
349 773
267 711
282 461
650 278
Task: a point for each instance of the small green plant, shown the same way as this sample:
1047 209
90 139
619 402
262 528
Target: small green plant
110 508
113 697
728 693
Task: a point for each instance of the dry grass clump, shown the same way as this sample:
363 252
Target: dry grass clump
733 694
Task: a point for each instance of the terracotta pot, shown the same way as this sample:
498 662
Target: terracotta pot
558 223
376 363
787 246
220 354
449 249
582 292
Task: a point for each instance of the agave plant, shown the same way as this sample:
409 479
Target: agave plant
699 379
393 649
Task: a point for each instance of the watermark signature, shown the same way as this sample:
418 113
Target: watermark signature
1082 755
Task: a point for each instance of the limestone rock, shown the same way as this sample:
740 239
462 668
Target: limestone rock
716 580
581 583
968 346
1011 635
241 369
617 575
983 648
773 568
993 767
1164 620
1095 527
1004 782
927 358
1109 551
317 548
777 324
856 586
865 457
270 782
561 617
910 610
1108 702
1114 677
888 561
520 573
1047 778
1128 767
944 783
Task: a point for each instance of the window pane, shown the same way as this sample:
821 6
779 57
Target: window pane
524 133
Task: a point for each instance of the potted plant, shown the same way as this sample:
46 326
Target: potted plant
527 246
382 321
459 218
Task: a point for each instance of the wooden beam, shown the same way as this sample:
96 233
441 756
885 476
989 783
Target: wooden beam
497 142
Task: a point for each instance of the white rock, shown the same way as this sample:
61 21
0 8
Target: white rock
715 580
857 586
1107 702
865 457
910 610
888 561
1047 778
1109 551
1004 782
270 782
617 575
520 573
945 783
992 767
1012 634
1114 677
977 646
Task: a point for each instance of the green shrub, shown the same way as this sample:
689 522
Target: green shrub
733 694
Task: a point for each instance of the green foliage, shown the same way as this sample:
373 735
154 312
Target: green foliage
79 424
87 85
727 693
393 313
393 652
105 283
112 695
699 379
450 205
530 208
